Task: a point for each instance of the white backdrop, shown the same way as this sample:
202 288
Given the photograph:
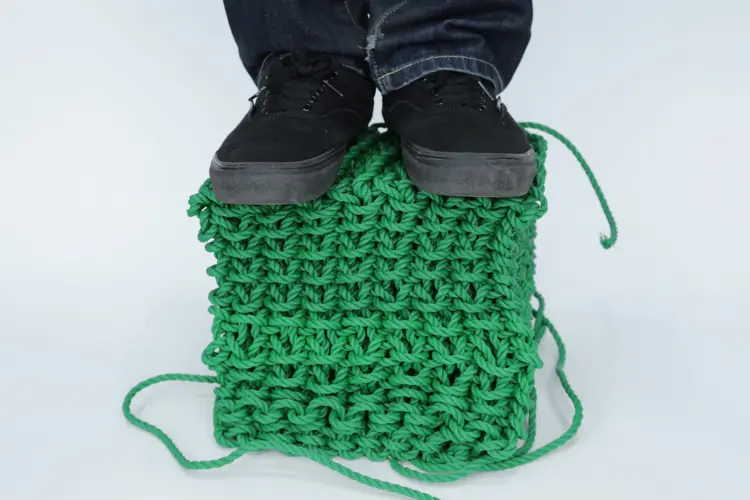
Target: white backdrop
109 114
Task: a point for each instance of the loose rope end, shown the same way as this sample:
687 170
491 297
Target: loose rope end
607 242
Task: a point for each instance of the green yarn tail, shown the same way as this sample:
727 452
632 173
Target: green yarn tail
440 474
606 241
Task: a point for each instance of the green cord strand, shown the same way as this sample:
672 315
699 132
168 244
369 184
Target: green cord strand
606 241
234 455
429 473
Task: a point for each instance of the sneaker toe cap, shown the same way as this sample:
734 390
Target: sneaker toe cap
278 141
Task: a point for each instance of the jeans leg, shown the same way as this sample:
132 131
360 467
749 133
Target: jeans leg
408 39
264 27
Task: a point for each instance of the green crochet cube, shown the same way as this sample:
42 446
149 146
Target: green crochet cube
378 321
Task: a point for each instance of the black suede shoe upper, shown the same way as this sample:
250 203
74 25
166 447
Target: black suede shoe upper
307 104
453 112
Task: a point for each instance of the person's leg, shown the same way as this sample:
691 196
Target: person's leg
315 97
264 27
410 38
441 65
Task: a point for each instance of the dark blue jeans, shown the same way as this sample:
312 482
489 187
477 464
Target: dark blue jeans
394 41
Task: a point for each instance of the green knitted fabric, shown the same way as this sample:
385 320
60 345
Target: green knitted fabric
378 321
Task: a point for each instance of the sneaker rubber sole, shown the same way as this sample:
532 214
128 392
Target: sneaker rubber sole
272 183
474 175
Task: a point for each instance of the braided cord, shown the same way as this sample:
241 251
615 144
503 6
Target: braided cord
607 241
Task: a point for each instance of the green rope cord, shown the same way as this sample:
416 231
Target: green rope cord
234 455
606 241
227 237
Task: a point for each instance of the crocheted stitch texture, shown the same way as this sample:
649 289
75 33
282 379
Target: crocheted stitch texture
377 321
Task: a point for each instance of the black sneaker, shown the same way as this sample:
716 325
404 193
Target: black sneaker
458 140
290 145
